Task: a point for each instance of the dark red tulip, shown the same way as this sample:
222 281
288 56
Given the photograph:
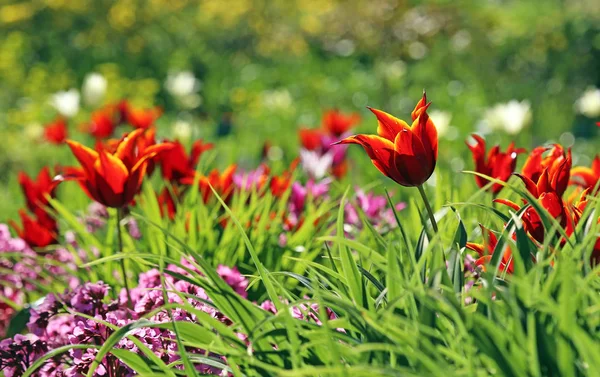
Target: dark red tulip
176 164
499 165
556 162
34 231
406 154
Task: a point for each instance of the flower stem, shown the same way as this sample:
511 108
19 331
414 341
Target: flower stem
122 260
429 210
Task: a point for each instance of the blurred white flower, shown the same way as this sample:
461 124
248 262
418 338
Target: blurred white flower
182 84
94 88
589 103
182 130
315 164
66 102
511 117
441 120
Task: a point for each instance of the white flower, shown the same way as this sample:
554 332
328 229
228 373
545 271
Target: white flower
441 120
182 130
66 102
315 164
511 117
94 88
589 103
182 84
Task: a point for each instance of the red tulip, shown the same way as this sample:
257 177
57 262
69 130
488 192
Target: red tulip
532 222
37 192
56 132
311 138
498 165
281 183
142 118
586 177
337 123
176 164
486 251
406 154
221 182
35 232
103 123
556 163
113 179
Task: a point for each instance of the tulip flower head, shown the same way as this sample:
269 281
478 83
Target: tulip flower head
586 177
37 191
36 231
486 251
142 118
103 123
56 132
311 138
176 164
557 165
113 179
497 164
337 123
406 154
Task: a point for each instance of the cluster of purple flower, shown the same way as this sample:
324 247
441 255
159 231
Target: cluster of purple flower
23 271
88 315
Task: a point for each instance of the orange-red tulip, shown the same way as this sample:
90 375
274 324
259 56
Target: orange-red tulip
406 154
281 183
557 163
311 138
56 132
176 164
586 177
221 182
498 165
142 118
35 232
486 251
103 123
167 203
37 192
113 179
532 222
337 123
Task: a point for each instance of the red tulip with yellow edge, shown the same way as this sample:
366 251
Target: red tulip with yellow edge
586 177
406 154
113 179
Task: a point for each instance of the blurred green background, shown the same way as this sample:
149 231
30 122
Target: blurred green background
275 65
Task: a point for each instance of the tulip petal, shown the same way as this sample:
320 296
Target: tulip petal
583 176
411 160
87 157
478 248
509 203
125 149
418 108
113 171
388 125
380 150
425 130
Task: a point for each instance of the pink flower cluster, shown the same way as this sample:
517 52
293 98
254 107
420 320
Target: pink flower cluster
22 271
66 320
